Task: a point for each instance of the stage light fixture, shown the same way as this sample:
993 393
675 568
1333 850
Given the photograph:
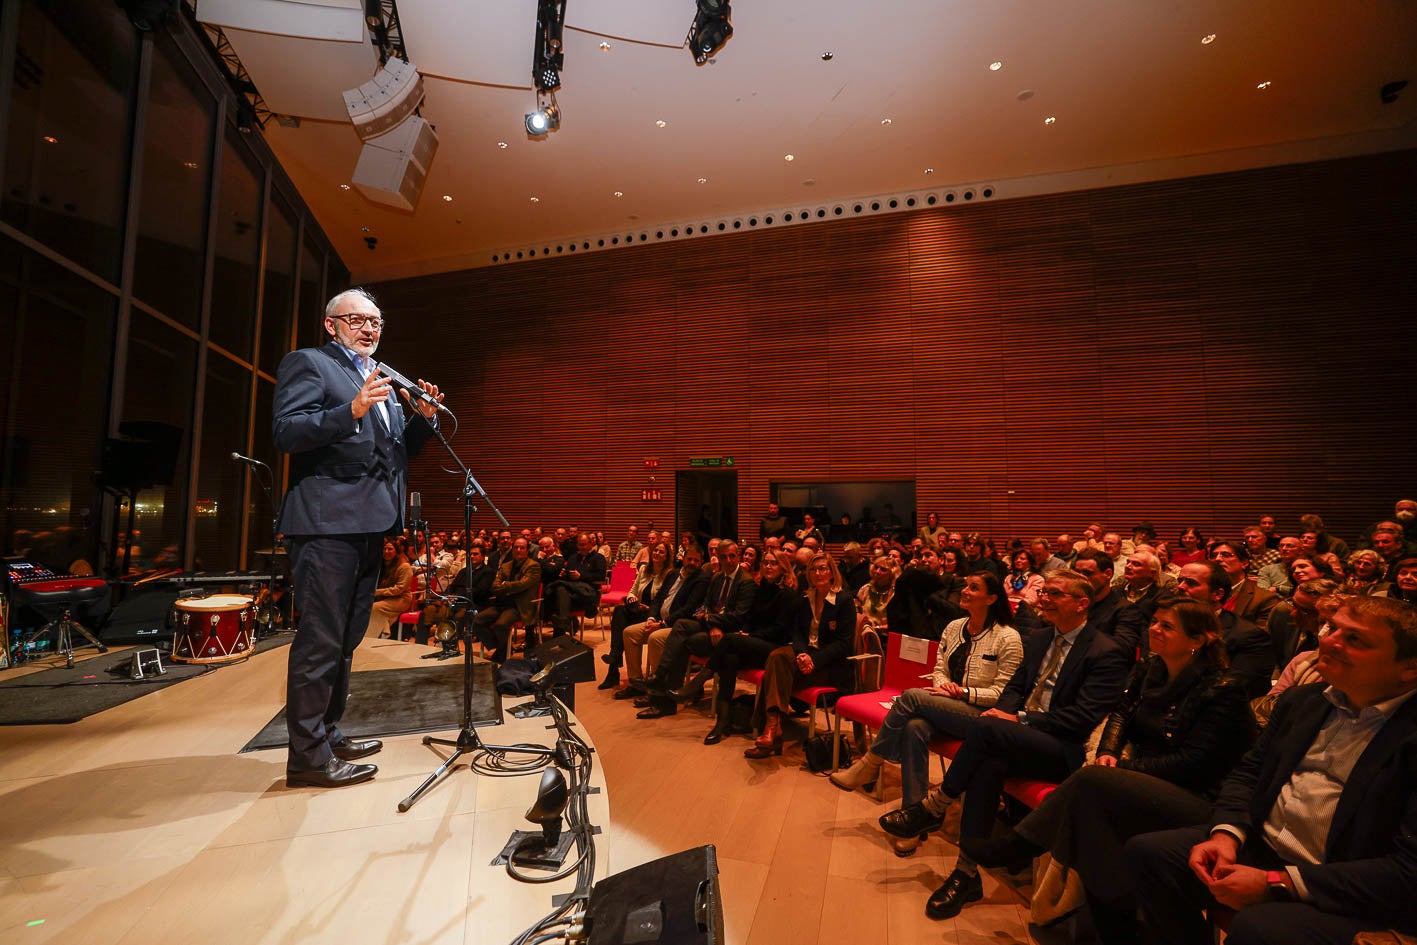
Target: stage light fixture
545 119
710 29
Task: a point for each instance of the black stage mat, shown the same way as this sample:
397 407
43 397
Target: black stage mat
62 695
402 701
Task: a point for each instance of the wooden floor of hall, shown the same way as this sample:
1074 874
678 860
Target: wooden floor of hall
142 825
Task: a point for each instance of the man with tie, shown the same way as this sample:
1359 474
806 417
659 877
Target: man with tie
349 445
730 594
1072 675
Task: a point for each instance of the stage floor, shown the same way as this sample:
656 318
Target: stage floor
142 825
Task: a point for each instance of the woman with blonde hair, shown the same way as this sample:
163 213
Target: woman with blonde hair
821 641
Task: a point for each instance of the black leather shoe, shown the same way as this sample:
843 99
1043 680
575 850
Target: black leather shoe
334 773
959 890
689 695
912 821
349 749
605 658
631 691
1008 851
641 701
657 710
611 680
715 736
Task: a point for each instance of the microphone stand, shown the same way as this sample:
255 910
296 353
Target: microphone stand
467 740
265 616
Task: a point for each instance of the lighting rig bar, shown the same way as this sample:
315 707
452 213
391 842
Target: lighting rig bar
382 18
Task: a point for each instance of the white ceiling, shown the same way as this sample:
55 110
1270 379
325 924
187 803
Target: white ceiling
1130 84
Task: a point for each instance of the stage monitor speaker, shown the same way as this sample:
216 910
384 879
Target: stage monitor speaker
385 101
392 167
673 900
571 658
145 617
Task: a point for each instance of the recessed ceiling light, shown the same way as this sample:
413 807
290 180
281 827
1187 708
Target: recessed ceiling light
660 123
50 139
1264 85
448 198
344 187
605 47
885 121
929 170
789 157
190 165
1207 39
619 193
1049 120
827 56
502 145
364 229
995 66
703 180
536 200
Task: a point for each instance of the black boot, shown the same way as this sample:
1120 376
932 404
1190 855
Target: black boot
612 678
1010 850
724 710
693 690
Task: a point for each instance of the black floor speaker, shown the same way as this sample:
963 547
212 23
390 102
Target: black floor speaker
673 900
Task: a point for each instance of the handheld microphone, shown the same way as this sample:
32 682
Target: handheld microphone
248 460
402 383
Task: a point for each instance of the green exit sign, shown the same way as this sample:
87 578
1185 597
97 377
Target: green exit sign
701 462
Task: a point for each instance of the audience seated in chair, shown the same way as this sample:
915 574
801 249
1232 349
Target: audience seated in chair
977 657
683 596
1181 726
652 582
394 593
1311 839
1071 677
513 600
578 587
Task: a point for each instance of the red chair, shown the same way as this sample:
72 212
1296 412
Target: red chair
870 708
820 697
622 578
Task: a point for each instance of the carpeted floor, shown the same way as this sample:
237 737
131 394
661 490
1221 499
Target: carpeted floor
402 701
63 695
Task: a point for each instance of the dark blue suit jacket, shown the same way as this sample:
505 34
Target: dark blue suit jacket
1370 862
1090 683
346 476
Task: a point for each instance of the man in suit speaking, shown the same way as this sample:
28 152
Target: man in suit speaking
350 444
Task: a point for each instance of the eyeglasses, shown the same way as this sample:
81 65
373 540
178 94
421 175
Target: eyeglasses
359 321
1054 593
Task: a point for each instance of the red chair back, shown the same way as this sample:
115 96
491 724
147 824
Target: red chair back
622 577
903 674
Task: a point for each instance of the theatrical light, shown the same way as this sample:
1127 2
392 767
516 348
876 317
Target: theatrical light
545 119
710 29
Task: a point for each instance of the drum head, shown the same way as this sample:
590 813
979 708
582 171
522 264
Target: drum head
215 602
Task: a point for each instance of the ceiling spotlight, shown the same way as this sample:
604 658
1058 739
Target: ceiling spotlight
50 139
605 47
190 165
1049 120
545 119
547 54
1207 39
502 145
619 193
536 200
929 170
995 66
710 29
660 123
1264 85
789 157
703 180
885 121
827 56
448 198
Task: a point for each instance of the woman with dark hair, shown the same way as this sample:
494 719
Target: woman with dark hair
394 593
817 655
932 532
653 577
1404 584
1181 727
978 655
751 558
1190 547
764 629
1023 582
1307 568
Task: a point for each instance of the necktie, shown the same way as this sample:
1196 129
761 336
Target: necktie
1050 666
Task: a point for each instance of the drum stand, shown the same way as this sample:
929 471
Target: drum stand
467 741
65 626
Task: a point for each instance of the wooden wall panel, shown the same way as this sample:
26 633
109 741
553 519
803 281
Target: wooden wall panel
1193 351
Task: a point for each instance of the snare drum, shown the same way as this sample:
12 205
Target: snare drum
214 629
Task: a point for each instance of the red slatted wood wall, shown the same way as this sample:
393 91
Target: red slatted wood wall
1191 351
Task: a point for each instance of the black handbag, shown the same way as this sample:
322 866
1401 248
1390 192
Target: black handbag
818 750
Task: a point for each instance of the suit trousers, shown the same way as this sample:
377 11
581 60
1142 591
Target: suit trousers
994 749
1172 900
915 719
621 617
636 635
738 651
562 597
335 577
493 628
687 637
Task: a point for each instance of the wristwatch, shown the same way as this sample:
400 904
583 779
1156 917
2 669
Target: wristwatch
1278 891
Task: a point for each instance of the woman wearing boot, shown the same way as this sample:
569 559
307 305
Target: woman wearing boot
655 575
978 655
821 642
765 629
1180 728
